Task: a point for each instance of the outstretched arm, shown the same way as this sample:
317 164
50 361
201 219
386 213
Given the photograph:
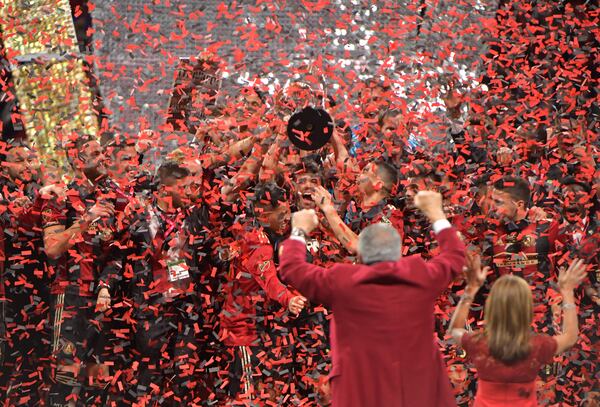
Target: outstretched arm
442 268
568 280
312 281
475 279
342 232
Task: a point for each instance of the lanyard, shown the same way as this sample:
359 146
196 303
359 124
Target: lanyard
169 225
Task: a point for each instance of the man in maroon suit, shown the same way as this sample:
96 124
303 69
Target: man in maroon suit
382 333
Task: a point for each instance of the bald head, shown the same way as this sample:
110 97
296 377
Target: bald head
379 242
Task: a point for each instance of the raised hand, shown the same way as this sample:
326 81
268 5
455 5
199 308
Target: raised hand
306 220
430 203
475 275
570 278
322 198
297 304
52 189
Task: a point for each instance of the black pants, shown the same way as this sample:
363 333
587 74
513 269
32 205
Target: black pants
168 356
310 352
25 340
116 347
243 367
76 346
256 374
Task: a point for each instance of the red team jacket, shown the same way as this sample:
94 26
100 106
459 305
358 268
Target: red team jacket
82 264
253 271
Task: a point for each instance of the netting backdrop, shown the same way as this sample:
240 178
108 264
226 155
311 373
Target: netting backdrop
138 44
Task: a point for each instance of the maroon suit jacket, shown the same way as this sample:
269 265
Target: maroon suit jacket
382 332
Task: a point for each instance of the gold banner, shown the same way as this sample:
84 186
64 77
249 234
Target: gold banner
56 102
37 27
50 82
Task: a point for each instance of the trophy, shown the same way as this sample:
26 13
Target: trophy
196 84
310 128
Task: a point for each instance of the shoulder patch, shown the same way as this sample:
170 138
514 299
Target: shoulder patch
264 265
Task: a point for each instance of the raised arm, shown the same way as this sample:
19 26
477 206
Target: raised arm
57 238
568 280
475 278
344 162
440 270
270 165
242 147
235 151
247 172
342 232
316 283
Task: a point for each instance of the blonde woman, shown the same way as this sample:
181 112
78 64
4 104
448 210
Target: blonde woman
507 353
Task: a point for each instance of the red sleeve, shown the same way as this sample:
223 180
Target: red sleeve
443 268
53 213
553 230
545 346
474 345
260 264
314 282
397 221
466 342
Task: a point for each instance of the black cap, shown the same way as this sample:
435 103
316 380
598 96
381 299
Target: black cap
310 128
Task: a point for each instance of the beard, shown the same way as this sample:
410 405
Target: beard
95 173
574 213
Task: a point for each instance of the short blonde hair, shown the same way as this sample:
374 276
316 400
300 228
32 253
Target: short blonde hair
508 318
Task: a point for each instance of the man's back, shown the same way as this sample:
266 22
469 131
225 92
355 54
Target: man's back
386 296
382 335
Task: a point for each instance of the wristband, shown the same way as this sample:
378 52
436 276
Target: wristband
467 297
299 233
440 225
84 221
569 306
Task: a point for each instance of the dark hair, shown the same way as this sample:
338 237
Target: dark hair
422 169
171 170
74 146
8 145
267 194
516 187
572 181
388 174
481 182
309 165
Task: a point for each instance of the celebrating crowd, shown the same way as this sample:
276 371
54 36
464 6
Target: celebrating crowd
138 281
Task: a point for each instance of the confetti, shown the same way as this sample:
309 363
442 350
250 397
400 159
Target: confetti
147 183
